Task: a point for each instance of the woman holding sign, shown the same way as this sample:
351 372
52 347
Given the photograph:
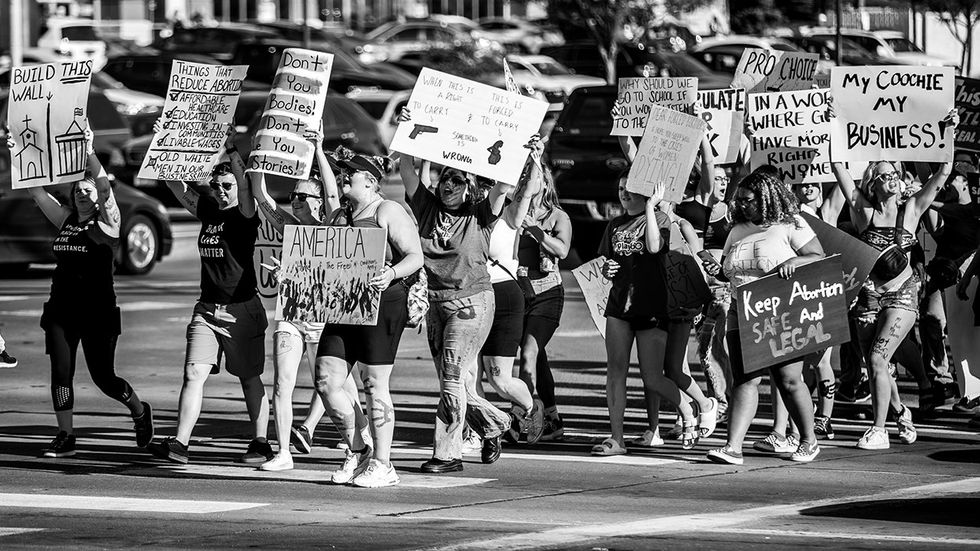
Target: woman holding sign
82 308
768 236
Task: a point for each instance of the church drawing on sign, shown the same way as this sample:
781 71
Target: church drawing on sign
30 158
71 150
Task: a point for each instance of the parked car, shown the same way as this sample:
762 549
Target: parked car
383 106
722 53
150 73
74 39
218 42
852 53
550 80
878 46
517 35
391 41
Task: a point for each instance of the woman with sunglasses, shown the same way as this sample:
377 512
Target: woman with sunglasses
228 319
82 307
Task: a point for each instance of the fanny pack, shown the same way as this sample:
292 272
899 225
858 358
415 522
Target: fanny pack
893 260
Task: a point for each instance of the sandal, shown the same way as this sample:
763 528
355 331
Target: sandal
689 436
708 419
608 447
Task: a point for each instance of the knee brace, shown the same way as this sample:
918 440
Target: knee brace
828 389
63 398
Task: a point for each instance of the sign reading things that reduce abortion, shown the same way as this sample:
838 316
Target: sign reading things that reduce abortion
666 153
469 126
762 70
891 112
781 320
636 95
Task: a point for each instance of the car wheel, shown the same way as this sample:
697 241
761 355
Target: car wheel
140 243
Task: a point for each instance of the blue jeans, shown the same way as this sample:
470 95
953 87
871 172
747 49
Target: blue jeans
711 344
457 330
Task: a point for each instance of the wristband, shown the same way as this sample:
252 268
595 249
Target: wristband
536 232
394 274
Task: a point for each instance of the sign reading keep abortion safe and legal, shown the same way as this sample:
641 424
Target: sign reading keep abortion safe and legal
198 109
892 112
636 95
469 126
761 70
295 106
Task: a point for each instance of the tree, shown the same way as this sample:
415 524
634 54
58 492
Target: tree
960 17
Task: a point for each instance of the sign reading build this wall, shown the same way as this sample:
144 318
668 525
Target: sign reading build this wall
295 106
47 115
637 95
469 126
723 112
199 106
666 153
762 70
891 112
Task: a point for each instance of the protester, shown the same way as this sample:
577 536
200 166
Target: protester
373 347
768 236
964 339
82 306
228 319
6 360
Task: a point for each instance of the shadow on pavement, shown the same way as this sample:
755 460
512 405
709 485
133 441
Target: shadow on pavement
971 455
941 511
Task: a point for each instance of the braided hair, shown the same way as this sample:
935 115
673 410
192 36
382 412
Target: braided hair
776 201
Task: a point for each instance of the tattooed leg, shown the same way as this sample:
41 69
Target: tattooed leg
331 376
381 409
893 324
500 370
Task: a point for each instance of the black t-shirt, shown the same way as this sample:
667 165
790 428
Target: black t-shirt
226 244
961 231
632 293
83 276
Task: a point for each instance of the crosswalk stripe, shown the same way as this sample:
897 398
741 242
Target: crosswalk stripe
634 460
138 306
139 505
14 531
408 480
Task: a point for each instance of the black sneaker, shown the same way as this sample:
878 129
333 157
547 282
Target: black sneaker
170 449
822 427
63 445
438 466
554 429
144 427
259 451
491 449
301 438
966 405
6 360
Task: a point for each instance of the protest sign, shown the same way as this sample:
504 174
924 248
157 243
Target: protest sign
791 131
469 126
636 95
762 70
268 251
723 112
781 320
680 280
595 288
325 274
891 112
198 109
857 258
295 106
968 106
47 114
666 153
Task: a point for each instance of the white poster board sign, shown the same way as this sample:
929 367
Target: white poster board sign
636 95
325 274
198 109
595 288
892 112
47 115
268 246
724 113
762 70
469 126
295 105
666 153
791 131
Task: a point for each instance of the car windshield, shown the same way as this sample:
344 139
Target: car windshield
685 65
373 35
551 68
784 47
103 80
374 107
591 116
903 45
80 32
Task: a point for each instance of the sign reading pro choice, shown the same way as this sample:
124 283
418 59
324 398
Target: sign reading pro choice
762 70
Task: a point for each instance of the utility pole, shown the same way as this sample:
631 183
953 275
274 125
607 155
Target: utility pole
840 39
306 24
16 33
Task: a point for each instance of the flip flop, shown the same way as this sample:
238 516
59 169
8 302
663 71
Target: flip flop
608 447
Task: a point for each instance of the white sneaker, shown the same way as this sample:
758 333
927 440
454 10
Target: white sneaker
376 475
534 422
472 444
649 439
805 454
874 439
776 443
353 465
906 430
281 462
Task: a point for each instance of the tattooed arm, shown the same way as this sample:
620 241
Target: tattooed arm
276 215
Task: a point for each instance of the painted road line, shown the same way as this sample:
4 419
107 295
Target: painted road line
408 480
14 531
575 535
930 541
12 298
129 504
632 460
138 306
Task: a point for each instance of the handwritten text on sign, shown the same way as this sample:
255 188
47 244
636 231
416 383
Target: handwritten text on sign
724 113
857 257
891 112
762 70
325 274
780 320
295 105
968 106
791 131
637 95
47 115
470 126
595 288
666 153
199 106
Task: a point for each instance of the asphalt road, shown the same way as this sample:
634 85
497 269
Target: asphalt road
550 495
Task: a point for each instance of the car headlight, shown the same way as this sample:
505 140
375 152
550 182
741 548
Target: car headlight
138 108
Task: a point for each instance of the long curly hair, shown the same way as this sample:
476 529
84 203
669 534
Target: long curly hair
776 201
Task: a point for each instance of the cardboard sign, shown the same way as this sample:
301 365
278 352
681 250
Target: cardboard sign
666 153
199 107
682 285
325 274
857 258
891 112
791 131
637 95
268 246
762 70
47 114
723 112
780 320
469 126
295 105
595 288
968 106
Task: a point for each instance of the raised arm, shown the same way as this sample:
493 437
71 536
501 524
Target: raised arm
53 210
187 196
246 202
654 239
848 189
275 214
406 163
629 147
516 211
705 190
405 237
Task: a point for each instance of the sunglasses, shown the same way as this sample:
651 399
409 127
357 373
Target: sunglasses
457 181
218 185
888 177
300 196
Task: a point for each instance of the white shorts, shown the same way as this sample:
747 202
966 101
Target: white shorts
309 332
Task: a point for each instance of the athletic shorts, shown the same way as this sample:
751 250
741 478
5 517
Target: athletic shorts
309 332
508 320
235 331
643 324
370 344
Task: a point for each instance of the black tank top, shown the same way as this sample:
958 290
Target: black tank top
85 255
712 232
392 257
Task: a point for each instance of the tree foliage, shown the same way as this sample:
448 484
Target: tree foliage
961 18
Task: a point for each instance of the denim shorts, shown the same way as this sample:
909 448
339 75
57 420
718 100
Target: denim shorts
870 302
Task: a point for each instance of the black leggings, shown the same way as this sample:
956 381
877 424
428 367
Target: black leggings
100 351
